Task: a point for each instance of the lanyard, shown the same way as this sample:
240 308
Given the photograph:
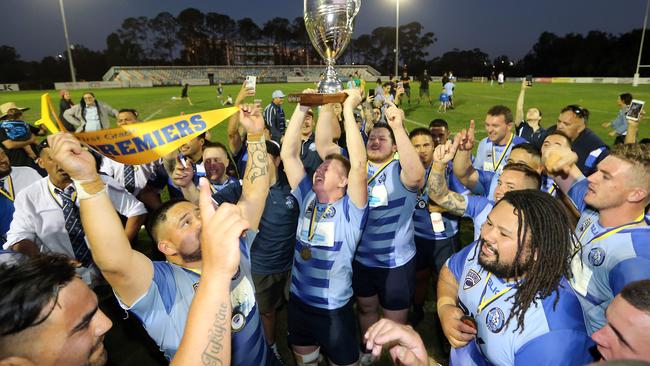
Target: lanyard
494 153
612 231
381 169
56 197
313 223
483 303
9 192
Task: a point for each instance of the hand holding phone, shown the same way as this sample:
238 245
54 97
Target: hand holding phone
251 82
634 112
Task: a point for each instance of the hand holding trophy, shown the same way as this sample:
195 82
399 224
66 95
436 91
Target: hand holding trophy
330 24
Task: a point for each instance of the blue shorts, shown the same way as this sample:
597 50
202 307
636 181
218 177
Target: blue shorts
432 254
335 331
394 286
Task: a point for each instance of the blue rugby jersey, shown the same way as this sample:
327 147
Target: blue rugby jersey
164 308
610 259
388 240
491 157
551 336
325 280
478 208
421 217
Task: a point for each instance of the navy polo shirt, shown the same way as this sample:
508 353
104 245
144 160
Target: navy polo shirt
272 249
309 156
534 137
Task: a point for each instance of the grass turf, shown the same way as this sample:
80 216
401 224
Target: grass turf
472 100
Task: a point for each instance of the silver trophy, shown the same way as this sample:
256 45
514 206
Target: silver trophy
330 24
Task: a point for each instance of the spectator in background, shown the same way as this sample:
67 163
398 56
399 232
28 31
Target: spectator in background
185 95
449 89
90 114
501 79
64 104
406 84
274 116
424 86
529 128
589 147
619 124
444 101
16 136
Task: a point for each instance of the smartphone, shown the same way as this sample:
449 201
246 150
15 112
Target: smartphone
634 112
400 84
371 93
251 81
529 80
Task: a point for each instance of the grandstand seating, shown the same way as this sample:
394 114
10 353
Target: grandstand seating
173 75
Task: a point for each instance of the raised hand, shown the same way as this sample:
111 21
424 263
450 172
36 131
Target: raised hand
394 117
68 153
559 160
466 142
457 332
221 229
243 93
250 116
444 153
182 175
353 100
404 344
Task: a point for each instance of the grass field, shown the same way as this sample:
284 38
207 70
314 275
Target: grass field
472 100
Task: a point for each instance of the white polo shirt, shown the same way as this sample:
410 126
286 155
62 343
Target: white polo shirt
39 218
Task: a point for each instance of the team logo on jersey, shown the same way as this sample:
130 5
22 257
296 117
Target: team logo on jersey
312 146
381 179
195 286
290 202
495 320
471 279
585 225
330 213
596 256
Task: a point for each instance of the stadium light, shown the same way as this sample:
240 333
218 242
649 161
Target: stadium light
635 81
397 38
67 43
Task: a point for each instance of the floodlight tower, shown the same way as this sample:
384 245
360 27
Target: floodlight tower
635 81
67 43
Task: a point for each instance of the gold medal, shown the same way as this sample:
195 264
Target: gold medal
305 253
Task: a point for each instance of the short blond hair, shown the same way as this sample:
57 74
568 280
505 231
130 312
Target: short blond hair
638 155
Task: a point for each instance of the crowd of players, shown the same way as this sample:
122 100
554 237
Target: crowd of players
345 221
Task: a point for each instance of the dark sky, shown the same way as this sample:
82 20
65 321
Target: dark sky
497 27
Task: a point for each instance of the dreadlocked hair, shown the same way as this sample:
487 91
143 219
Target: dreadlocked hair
543 224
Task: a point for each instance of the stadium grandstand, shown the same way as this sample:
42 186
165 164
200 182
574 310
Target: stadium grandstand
177 75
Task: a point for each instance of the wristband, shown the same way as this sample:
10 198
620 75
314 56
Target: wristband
89 188
255 138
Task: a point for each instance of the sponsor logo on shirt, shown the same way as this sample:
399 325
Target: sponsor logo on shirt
471 279
495 320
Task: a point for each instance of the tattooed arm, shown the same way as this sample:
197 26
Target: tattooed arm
206 340
454 203
255 185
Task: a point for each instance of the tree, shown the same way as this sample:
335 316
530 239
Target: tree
193 35
134 32
248 30
279 30
164 29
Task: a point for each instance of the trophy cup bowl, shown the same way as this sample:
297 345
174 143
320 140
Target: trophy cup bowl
330 24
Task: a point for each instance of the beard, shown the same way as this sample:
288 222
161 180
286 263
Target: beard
502 270
195 256
5 172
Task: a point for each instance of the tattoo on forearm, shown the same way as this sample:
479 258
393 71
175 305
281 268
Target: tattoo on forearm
258 161
211 354
453 202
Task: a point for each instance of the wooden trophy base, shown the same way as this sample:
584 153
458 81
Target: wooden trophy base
316 99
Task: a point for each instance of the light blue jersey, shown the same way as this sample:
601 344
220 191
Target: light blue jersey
164 308
552 335
421 217
489 181
478 208
493 158
610 259
387 240
324 280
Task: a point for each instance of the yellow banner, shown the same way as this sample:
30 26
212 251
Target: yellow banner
141 143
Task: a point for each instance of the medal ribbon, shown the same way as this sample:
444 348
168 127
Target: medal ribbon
9 192
313 223
381 169
494 153
612 231
483 303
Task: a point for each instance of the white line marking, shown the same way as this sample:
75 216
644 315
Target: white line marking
152 115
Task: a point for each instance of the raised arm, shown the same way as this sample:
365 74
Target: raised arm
560 164
632 131
290 152
412 174
255 185
439 192
234 137
357 178
208 322
463 168
519 114
128 271
324 136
